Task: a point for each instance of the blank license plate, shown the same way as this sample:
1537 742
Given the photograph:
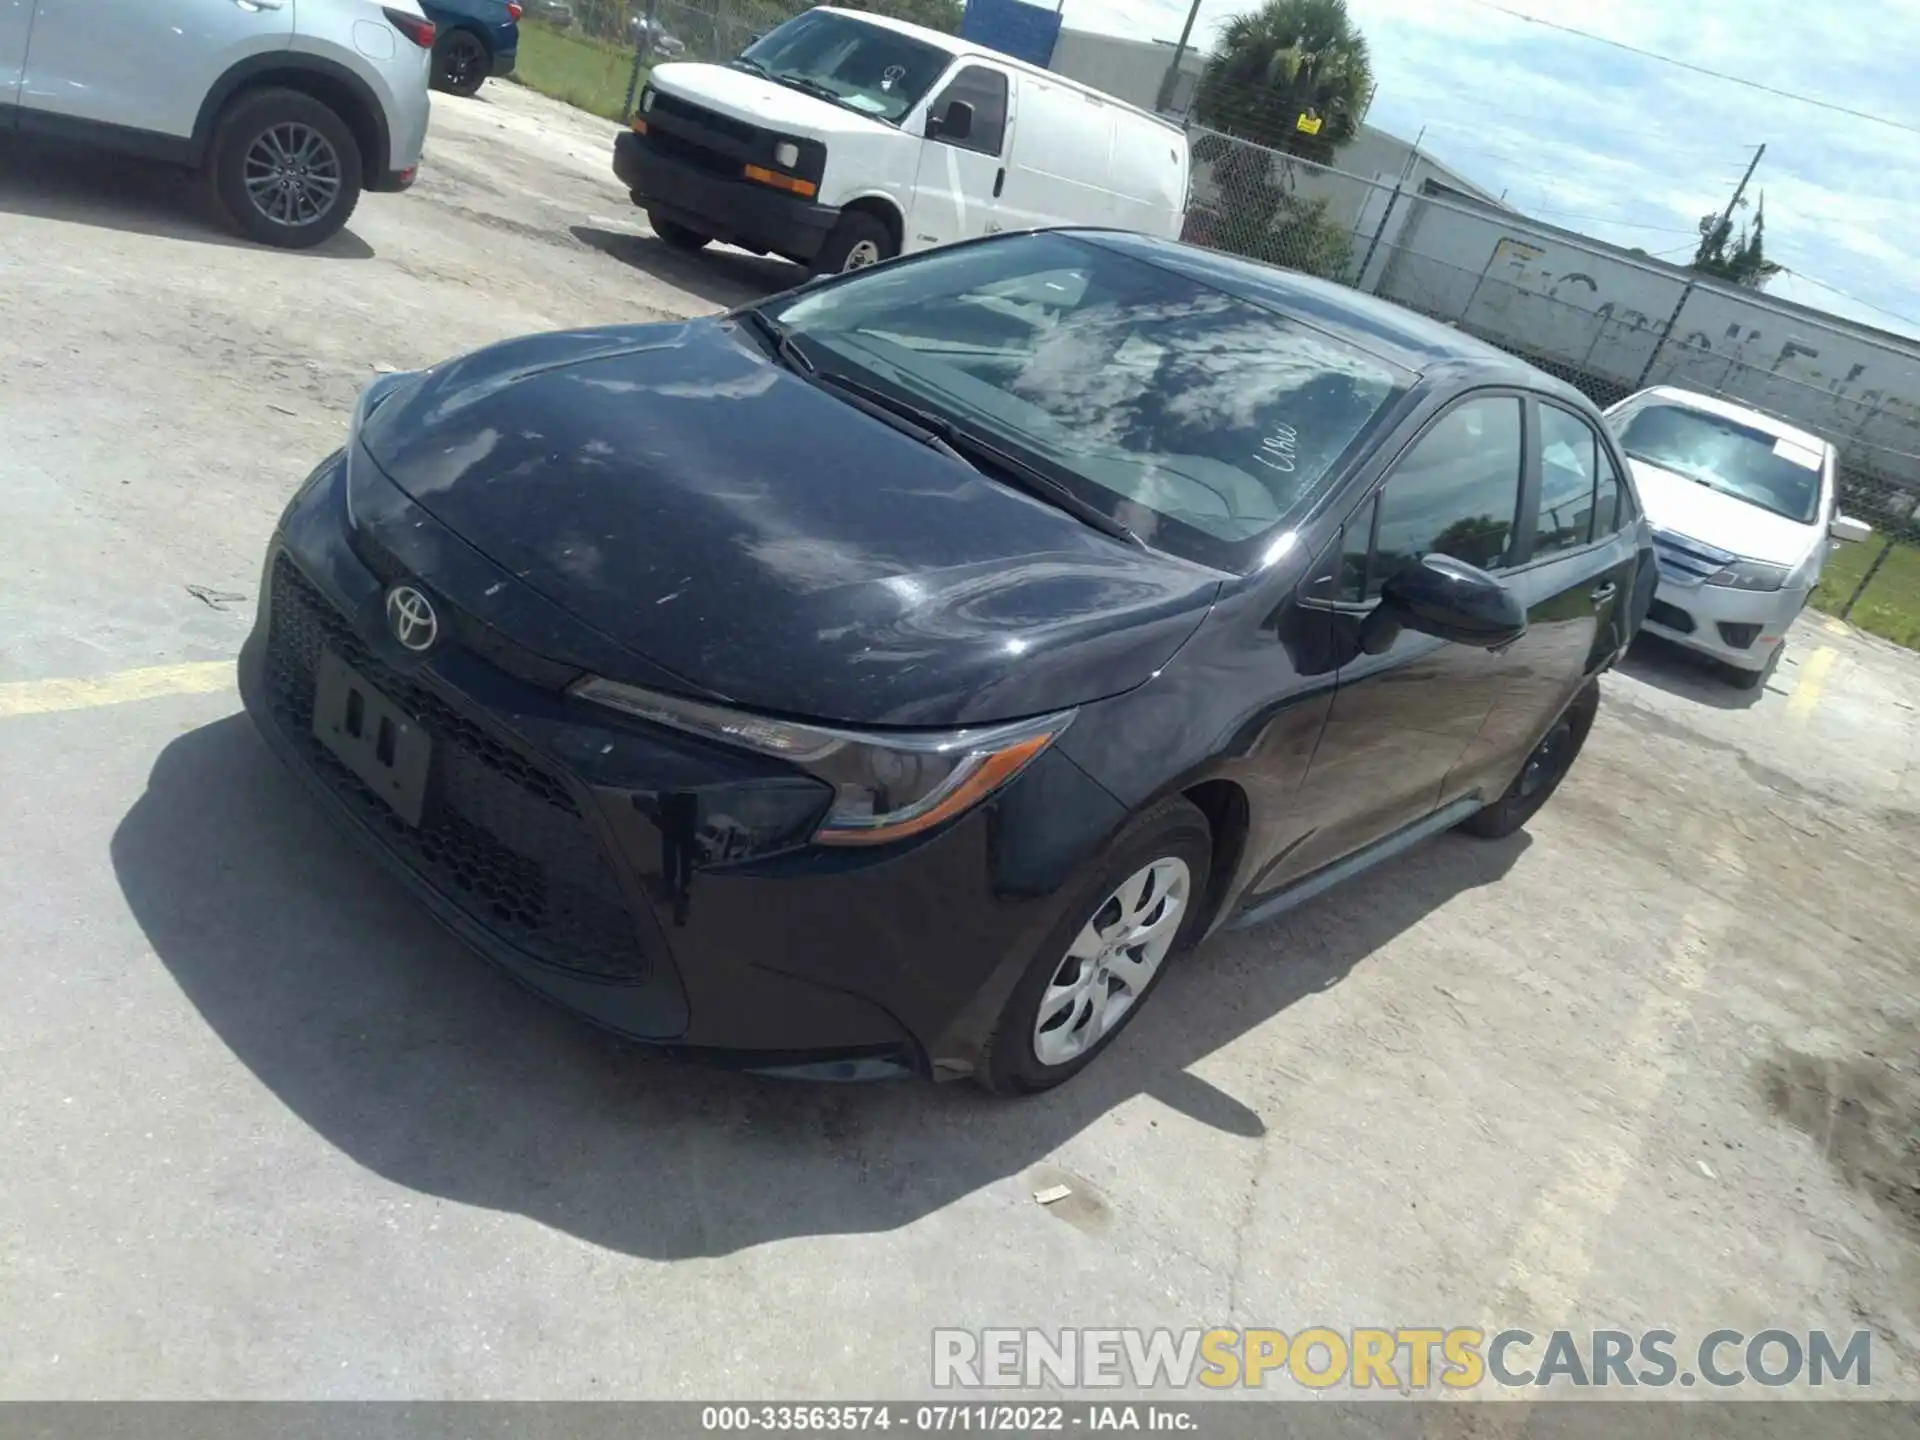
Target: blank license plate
372 737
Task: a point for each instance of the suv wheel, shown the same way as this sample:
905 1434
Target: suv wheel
285 169
1094 972
460 63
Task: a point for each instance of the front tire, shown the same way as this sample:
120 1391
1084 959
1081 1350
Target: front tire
1094 972
680 237
460 63
856 241
284 169
1546 766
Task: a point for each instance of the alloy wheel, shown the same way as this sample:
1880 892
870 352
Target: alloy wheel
460 65
1111 961
1548 759
863 254
292 174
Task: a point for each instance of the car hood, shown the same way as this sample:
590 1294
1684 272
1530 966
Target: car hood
761 102
721 518
1675 503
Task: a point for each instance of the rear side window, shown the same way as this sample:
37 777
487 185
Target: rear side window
986 91
1569 467
1607 504
1456 492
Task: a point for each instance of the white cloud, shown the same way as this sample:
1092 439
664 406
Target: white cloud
1583 129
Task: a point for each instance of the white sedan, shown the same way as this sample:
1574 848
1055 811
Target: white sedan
1744 510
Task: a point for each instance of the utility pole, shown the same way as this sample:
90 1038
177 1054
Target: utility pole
1171 78
1726 216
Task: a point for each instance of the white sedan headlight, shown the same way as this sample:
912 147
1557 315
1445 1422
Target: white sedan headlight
887 785
1751 575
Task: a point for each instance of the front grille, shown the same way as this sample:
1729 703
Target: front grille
710 120
691 152
501 837
1686 560
1741 635
1671 616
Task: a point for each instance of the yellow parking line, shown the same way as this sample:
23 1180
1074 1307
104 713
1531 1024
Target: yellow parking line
1813 675
50 697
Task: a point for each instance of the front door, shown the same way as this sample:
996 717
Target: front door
143 64
956 190
1402 719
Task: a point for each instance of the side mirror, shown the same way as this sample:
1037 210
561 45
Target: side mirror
1452 600
955 123
1845 527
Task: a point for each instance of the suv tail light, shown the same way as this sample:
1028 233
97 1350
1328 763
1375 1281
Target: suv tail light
514 12
416 28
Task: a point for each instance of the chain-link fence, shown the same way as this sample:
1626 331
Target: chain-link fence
1605 320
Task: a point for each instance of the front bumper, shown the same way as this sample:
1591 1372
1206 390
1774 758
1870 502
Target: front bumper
1741 628
565 843
736 212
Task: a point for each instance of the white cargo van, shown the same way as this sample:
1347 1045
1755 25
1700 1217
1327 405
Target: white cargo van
843 138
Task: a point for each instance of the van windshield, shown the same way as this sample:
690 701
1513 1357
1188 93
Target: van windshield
1202 422
865 68
1722 454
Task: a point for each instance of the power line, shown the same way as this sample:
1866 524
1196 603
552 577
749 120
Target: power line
1847 295
1707 70
1618 224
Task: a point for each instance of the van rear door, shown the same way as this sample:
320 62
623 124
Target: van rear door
956 190
1059 172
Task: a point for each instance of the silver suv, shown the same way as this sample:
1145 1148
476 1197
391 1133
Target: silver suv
291 107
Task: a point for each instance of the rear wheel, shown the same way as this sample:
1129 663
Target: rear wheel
1096 969
856 241
680 237
460 63
1543 771
285 169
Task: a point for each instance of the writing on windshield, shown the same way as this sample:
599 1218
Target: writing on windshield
1712 450
865 68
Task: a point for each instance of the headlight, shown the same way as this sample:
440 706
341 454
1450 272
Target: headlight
1750 575
887 784
786 154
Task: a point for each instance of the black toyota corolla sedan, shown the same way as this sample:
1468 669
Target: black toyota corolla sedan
900 672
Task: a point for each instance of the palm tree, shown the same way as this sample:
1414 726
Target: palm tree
1293 75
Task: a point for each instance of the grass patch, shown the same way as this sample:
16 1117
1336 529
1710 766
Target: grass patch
1891 605
589 74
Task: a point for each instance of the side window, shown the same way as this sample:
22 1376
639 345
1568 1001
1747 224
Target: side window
1456 492
1569 465
1607 502
986 91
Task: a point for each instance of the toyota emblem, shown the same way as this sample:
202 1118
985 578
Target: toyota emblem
410 616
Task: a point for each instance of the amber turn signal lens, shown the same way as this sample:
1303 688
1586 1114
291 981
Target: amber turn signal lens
781 182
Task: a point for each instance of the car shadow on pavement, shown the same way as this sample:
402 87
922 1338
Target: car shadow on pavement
1679 671
402 1048
719 274
113 192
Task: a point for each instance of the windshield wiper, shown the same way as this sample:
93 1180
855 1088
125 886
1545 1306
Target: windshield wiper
784 350
741 62
969 449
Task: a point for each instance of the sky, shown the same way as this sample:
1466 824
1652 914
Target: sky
1634 151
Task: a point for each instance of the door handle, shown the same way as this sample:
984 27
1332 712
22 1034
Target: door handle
999 180
1604 593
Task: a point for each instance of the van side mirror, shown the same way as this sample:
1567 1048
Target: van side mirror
955 123
1845 527
1452 600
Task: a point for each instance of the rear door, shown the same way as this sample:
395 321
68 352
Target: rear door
142 64
1402 720
956 191
1574 572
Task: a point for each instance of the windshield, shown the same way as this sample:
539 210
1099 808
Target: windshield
1199 421
1776 474
866 68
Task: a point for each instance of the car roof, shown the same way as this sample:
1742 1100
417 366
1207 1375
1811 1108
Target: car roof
1731 410
1382 329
